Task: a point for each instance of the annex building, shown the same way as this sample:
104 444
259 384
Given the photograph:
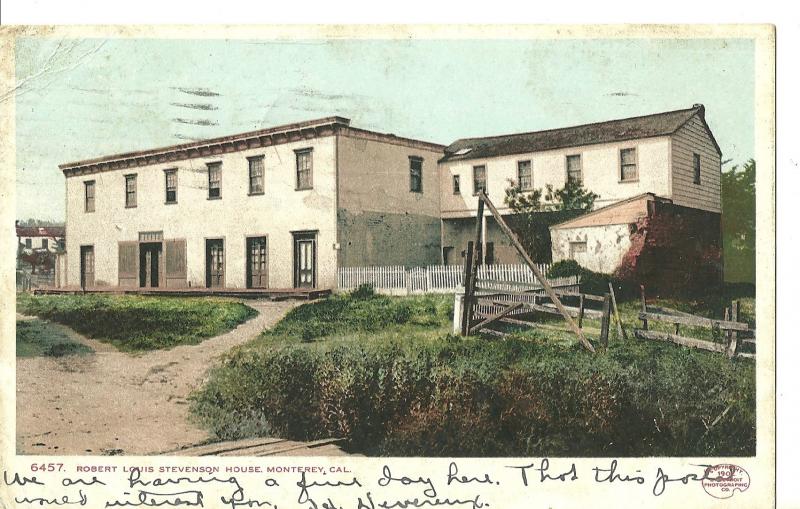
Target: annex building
285 207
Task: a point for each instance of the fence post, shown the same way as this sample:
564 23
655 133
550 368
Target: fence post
604 323
644 308
580 312
620 328
734 335
467 283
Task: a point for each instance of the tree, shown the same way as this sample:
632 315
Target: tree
535 210
738 191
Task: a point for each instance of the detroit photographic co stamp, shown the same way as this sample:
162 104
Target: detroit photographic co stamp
722 481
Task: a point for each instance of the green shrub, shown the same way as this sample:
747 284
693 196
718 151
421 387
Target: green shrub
134 323
592 282
363 291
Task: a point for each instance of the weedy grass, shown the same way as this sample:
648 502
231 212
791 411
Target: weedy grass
37 338
137 323
385 374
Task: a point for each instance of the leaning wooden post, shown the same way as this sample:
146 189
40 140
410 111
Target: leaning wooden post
536 272
580 312
734 343
620 328
465 316
605 321
644 308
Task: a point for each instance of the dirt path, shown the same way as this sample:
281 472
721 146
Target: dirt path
117 403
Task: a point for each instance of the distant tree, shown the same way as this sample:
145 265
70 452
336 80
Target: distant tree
738 191
535 210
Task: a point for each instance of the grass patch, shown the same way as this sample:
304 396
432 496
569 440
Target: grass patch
385 374
136 323
37 338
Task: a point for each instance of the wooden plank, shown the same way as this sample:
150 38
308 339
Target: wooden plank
494 332
644 308
521 250
680 340
493 318
605 321
544 308
697 321
221 447
468 290
746 355
667 311
620 328
527 323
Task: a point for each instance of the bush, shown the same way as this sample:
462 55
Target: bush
445 396
593 282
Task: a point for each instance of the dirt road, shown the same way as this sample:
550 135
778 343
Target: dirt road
118 403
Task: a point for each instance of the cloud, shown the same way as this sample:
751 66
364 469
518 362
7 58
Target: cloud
191 121
621 94
202 92
196 106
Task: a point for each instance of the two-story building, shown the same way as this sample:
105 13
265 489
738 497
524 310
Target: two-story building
672 156
40 238
275 208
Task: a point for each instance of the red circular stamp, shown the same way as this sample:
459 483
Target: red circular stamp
722 481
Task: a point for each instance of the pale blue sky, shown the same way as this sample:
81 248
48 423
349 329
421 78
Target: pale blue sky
134 94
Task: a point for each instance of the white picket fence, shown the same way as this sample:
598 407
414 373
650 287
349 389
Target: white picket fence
399 280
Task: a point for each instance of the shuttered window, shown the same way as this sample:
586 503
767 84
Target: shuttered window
415 174
130 191
627 164
256 174
574 169
304 169
171 185
478 179
524 175
88 188
214 180
128 266
175 263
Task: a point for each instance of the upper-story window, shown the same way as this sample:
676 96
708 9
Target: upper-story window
627 165
171 185
45 244
415 174
88 196
28 243
256 174
130 191
214 180
479 179
696 165
574 169
456 184
524 175
305 168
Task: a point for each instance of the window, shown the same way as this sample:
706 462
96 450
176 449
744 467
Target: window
28 243
130 191
576 248
415 174
214 180
627 165
524 176
44 244
256 174
171 185
696 164
456 184
574 169
88 192
488 257
304 169
478 179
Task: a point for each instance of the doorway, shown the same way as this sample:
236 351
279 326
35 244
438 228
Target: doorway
256 262
305 260
87 266
215 263
150 254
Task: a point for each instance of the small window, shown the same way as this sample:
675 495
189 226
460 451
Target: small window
696 164
456 184
576 248
488 257
88 192
524 175
28 243
44 244
171 185
415 174
304 169
574 169
256 174
627 164
214 180
130 191
479 179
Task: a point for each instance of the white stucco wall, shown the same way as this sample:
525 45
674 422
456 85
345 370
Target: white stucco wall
601 174
278 212
605 245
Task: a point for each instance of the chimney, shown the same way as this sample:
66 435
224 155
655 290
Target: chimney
700 109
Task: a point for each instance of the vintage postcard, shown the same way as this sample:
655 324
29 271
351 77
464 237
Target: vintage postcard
388 266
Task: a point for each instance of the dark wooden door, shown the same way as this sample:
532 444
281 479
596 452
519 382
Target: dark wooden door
305 260
257 262
87 266
150 264
215 263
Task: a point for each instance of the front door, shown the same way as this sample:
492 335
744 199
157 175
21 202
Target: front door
257 262
150 264
87 266
305 260
215 263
